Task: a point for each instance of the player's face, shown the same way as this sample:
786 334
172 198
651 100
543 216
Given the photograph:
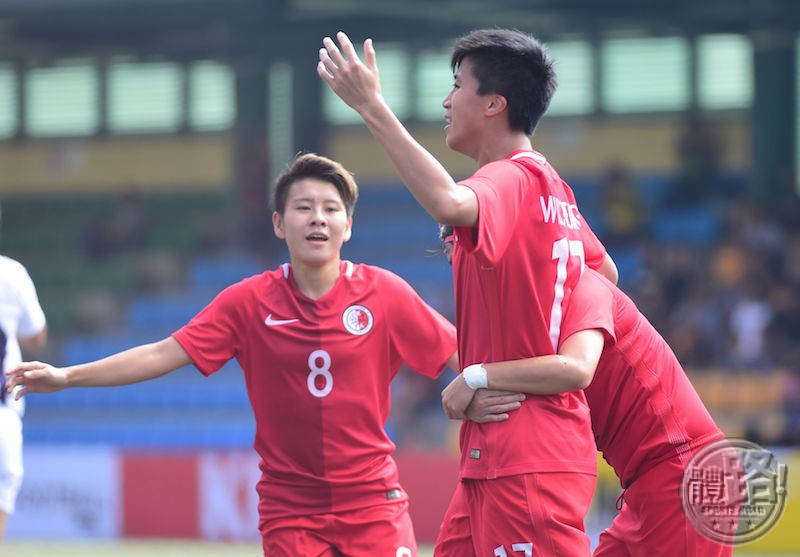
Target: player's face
464 110
314 222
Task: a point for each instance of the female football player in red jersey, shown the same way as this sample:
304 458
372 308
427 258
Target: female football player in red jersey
319 340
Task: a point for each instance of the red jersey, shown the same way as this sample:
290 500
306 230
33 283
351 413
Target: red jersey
513 274
644 408
318 376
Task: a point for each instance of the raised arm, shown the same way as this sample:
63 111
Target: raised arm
141 363
357 83
572 369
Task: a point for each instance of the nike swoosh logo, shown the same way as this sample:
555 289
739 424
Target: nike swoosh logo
274 322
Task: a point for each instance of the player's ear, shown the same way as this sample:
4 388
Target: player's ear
497 104
277 225
348 231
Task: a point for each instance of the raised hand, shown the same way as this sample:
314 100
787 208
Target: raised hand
357 83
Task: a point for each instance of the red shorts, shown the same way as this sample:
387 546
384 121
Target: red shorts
652 522
528 514
379 531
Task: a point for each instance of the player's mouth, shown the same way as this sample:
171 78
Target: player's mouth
317 237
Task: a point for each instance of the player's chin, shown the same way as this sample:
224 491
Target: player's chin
453 142
448 136
318 255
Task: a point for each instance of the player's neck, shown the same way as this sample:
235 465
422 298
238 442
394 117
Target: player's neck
502 145
316 281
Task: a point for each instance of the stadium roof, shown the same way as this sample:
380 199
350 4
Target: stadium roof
227 28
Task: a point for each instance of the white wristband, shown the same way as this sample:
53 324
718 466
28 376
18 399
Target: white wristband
475 376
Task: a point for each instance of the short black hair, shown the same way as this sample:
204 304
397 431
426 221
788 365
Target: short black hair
311 165
512 64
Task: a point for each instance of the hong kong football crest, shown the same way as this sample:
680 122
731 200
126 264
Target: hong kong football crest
357 320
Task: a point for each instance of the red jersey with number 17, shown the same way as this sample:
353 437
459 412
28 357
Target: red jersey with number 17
644 408
318 376
513 275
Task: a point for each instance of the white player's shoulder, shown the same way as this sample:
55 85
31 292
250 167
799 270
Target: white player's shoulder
9 265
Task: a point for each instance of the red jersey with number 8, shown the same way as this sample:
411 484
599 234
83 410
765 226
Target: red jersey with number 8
318 376
513 275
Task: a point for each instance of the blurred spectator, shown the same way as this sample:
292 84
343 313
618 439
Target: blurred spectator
124 230
623 210
694 325
677 267
750 225
698 177
783 332
417 420
254 196
789 210
749 319
728 265
790 263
